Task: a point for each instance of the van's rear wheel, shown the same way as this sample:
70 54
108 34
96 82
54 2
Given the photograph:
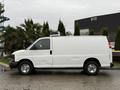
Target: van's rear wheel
91 68
25 68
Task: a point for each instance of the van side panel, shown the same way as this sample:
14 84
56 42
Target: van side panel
73 51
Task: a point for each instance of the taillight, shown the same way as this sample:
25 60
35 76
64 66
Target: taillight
110 45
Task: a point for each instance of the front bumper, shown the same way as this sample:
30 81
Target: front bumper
13 64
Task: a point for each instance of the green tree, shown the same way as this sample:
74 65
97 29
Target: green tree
22 36
77 30
46 31
2 17
61 28
117 40
2 20
10 39
91 32
104 31
31 31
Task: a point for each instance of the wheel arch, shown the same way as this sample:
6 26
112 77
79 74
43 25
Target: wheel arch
22 60
92 59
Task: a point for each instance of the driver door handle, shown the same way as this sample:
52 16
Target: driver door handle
50 52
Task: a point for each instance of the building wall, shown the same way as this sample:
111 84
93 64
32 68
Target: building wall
111 21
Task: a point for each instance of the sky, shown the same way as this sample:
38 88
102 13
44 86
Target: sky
54 10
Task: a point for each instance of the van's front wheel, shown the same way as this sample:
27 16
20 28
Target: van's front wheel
91 68
25 68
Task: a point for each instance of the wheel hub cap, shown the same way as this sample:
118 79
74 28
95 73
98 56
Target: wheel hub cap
25 68
92 68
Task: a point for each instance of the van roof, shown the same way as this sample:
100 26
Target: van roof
82 36
95 36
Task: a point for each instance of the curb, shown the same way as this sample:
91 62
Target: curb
5 66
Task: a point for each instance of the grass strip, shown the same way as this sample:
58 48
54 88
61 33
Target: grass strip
5 60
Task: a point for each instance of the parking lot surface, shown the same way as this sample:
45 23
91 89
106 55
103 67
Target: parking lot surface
59 80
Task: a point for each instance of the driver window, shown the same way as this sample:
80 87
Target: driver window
43 44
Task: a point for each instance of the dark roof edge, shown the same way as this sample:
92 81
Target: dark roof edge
98 16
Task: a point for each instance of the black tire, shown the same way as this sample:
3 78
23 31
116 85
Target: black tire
91 68
29 66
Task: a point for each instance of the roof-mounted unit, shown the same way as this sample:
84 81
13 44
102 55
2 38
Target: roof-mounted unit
56 34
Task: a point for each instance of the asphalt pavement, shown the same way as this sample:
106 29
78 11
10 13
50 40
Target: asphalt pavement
59 80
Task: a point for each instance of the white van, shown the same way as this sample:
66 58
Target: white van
87 52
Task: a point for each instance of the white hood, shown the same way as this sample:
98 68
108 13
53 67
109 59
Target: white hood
17 52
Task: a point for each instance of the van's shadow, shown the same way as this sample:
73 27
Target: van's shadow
59 72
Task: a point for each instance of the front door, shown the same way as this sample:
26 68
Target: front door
40 53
